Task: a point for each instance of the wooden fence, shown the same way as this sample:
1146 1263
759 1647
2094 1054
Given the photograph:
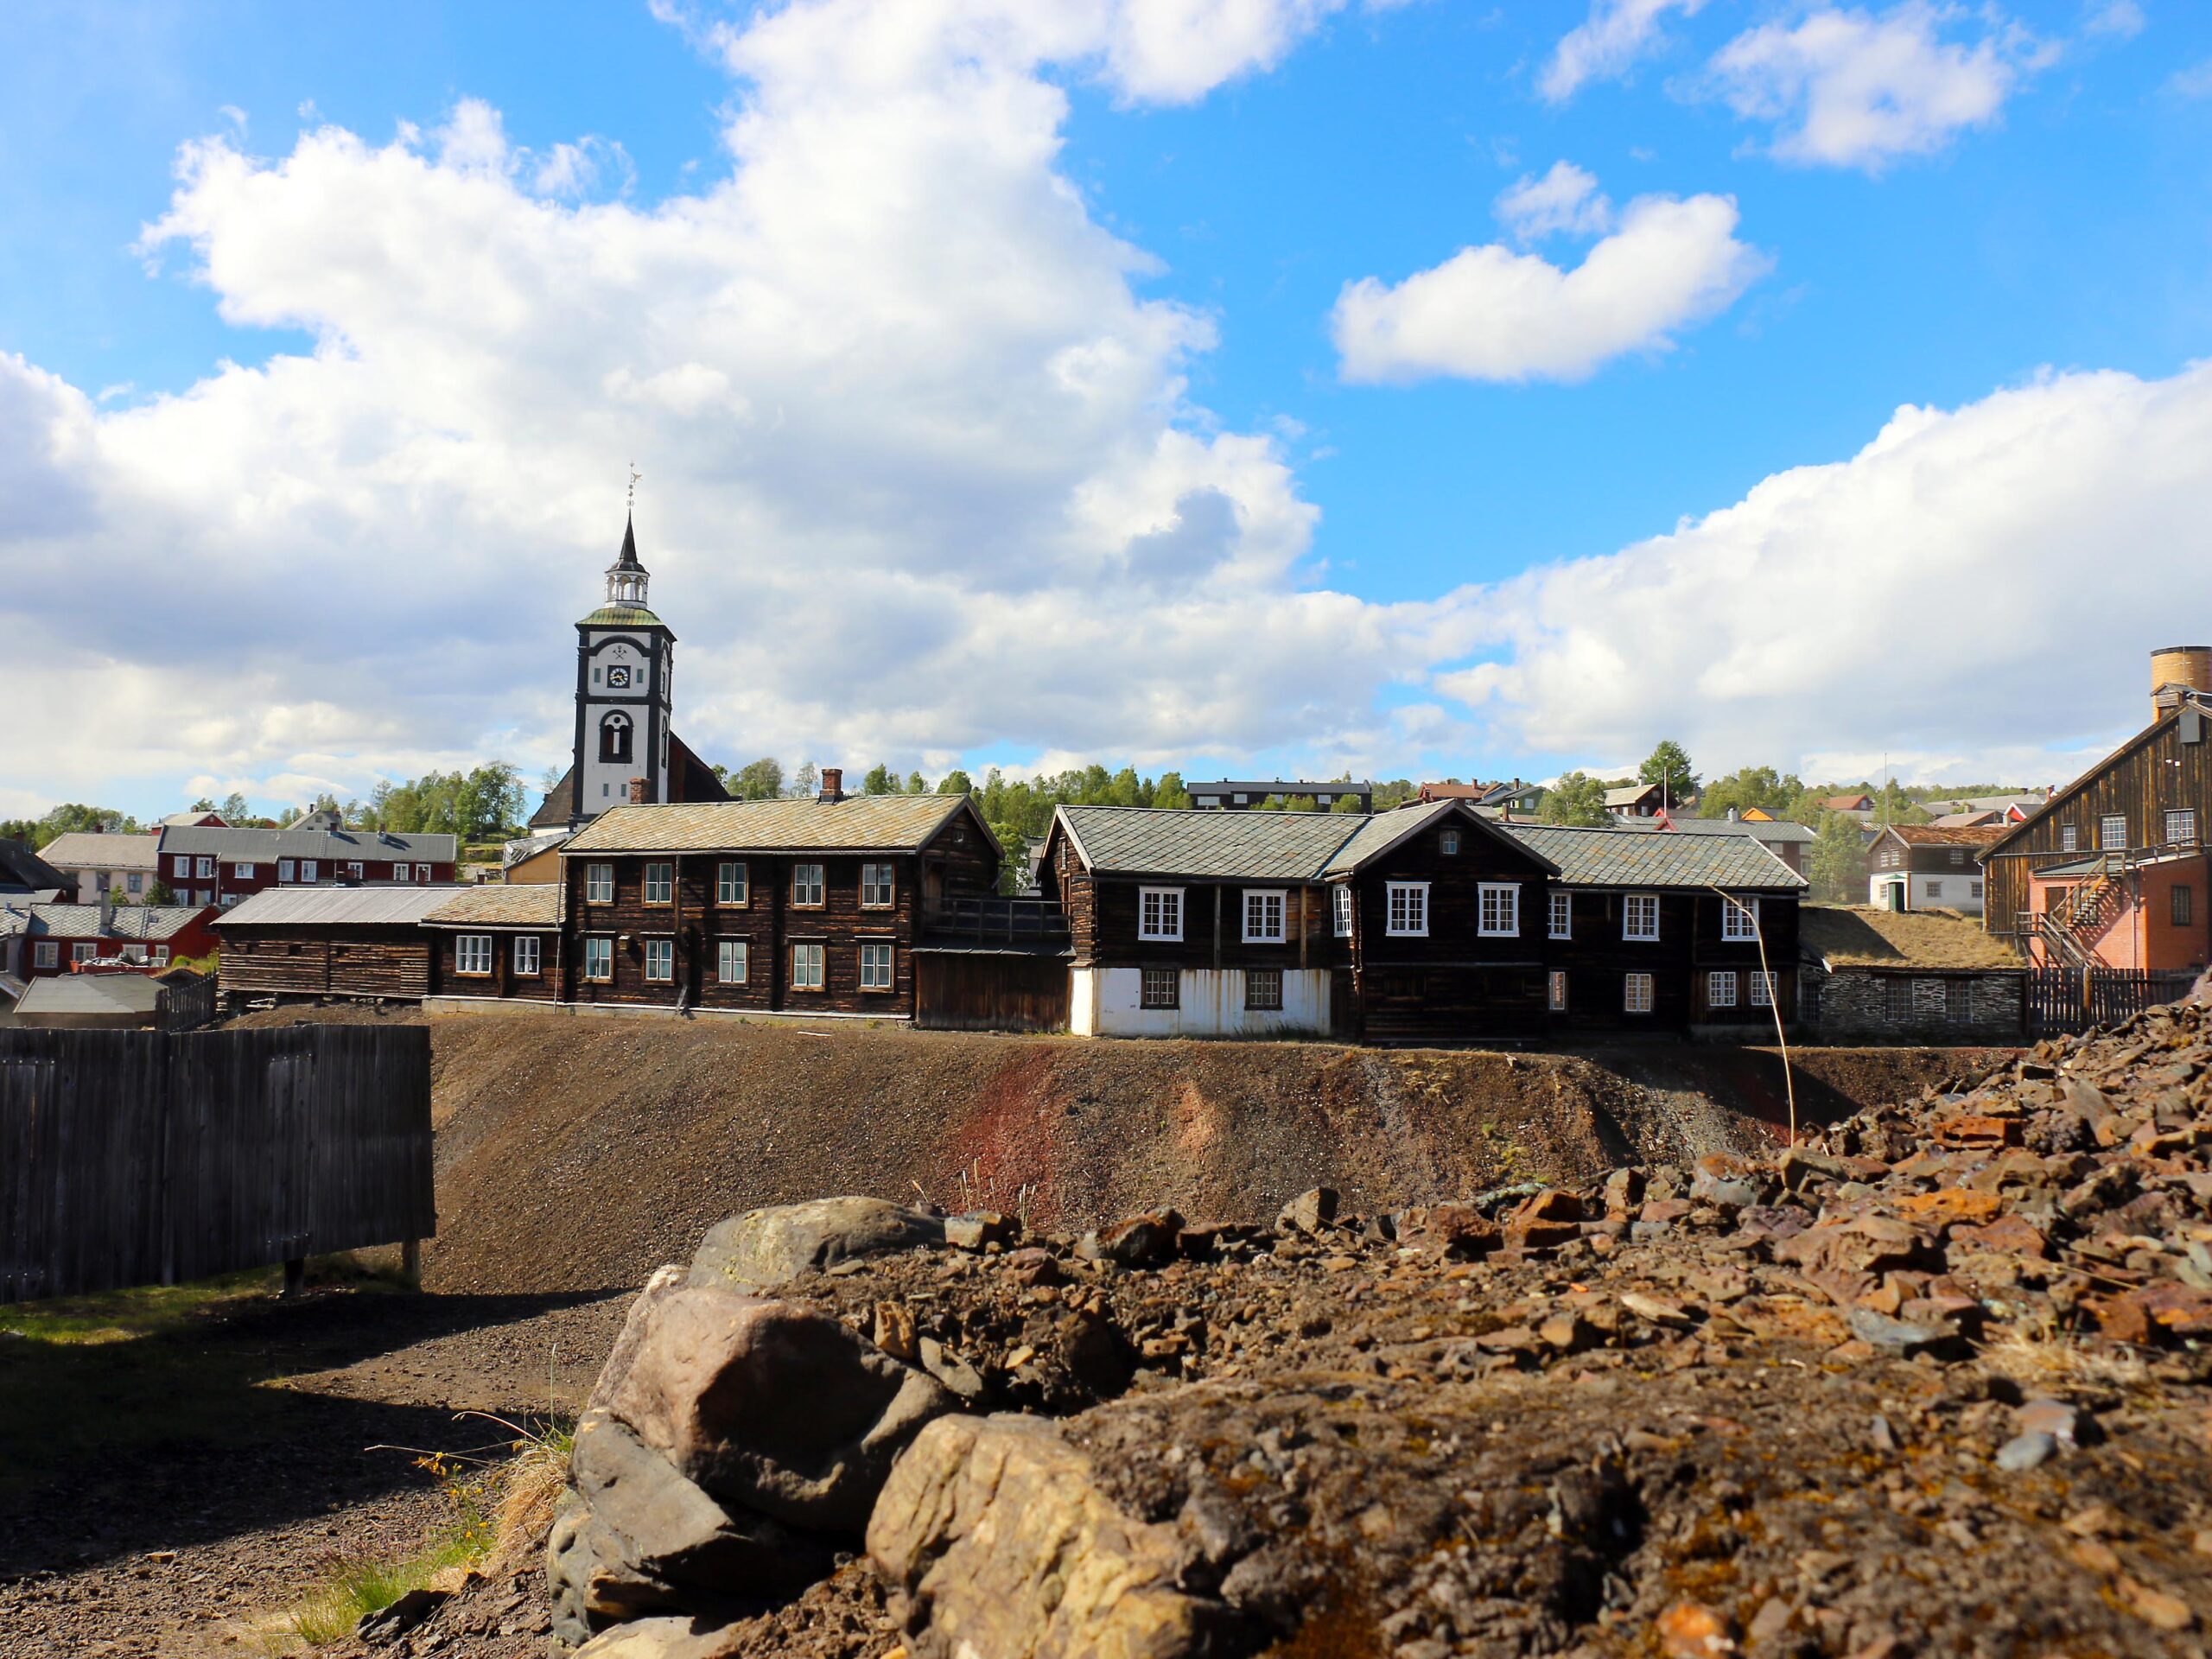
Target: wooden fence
185 1004
137 1158
2066 998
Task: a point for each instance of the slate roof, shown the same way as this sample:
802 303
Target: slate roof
1616 858
327 846
124 921
1259 789
22 870
390 906
1207 843
494 904
857 823
86 849
1758 829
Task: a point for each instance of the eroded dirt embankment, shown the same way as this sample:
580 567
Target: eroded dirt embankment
576 1154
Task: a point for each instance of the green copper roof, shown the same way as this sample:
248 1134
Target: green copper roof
621 616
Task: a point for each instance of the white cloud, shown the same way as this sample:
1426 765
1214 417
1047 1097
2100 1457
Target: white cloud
1566 201
1490 314
1847 88
1607 44
2122 19
2193 82
922 472
1835 613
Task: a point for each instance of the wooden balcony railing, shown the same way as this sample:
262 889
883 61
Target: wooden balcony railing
1030 922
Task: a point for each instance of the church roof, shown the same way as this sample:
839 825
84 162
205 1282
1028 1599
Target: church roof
622 616
628 558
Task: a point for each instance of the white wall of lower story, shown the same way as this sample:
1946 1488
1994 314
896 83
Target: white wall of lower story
1105 1002
1960 890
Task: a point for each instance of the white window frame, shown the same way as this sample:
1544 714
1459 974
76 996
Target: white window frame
207 868
1739 920
1555 990
354 868
134 882
422 873
1934 888
1270 904
161 955
1340 907
1497 910
807 888
2181 826
1632 905
287 869
878 886
733 883
660 961
809 968
1159 914
472 954
1974 889
1958 858
879 965
1759 988
1721 988
599 961
47 953
525 955
1636 993
599 884
1405 910
307 869
2105 822
242 872
1562 916
1262 977
733 953
83 951
183 865
2069 838
660 882
1148 978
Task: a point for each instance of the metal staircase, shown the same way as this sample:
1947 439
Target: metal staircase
2069 928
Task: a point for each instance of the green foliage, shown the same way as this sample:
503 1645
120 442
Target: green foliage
1577 798
916 784
159 893
807 779
72 817
1770 792
1836 861
1670 764
880 781
956 782
483 804
1396 793
235 807
756 780
1348 803
1169 793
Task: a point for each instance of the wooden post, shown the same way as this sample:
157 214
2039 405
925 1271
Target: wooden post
411 1262
295 1275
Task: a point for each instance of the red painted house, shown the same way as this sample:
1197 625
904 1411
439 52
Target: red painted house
43 940
221 865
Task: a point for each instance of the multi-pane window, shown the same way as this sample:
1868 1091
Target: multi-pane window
161 955
1636 993
1562 915
1958 1001
472 953
1762 988
2069 839
1161 988
1263 990
875 964
660 883
1640 916
1934 889
729 961
1557 1001
523 955
660 960
599 960
732 883
1958 858
1159 913
285 868
807 970
422 873
806 887
1498 910
242 872
1739 919
2112 831
307 869
1407 912
207 867
1448 844
877 891
1341 901
599 884
1263 915
2185 906
2181 826
136 882
1897 999
1720 989
48 953
184 866
354 870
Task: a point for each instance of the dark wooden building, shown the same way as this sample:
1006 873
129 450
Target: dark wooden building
814 906
2149 797
313 943
497 943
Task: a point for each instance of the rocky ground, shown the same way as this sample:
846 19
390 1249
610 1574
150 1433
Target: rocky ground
1938 1382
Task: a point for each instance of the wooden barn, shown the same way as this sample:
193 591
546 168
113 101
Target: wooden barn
313 943
497 944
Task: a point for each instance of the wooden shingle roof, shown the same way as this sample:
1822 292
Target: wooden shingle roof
857 823
495 904
1205 844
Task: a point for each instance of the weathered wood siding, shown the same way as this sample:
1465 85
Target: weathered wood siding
502 982
983 991
137 1158
1455 984
340 960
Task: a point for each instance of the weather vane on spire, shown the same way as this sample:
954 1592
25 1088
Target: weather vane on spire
634 476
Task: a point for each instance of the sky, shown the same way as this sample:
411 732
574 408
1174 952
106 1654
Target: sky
1267 387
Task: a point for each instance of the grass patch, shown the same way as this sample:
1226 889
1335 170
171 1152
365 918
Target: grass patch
127 1315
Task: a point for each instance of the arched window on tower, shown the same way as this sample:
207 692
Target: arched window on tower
614 738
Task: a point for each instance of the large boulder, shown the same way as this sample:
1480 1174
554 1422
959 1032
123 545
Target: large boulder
769 1405
766 1249
665 1282
662 1638
1000 1532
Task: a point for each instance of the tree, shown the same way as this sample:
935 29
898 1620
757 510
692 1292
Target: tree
880 781
203 804
235 807
1396 793
159 893
956 782
116 897
1837 861
1669 765
807 780
1577 798
916 784
1771 792
757 780
1345 804
1169 791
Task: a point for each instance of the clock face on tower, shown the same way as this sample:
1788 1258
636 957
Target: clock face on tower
618 676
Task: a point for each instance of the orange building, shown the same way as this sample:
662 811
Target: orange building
2147 911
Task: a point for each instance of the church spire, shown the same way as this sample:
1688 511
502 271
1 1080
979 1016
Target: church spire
625 577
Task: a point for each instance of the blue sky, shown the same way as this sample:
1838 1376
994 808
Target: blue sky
1417 566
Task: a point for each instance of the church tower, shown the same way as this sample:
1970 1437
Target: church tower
625 659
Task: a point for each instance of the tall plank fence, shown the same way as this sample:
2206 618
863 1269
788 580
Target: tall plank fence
2069 998
138 1158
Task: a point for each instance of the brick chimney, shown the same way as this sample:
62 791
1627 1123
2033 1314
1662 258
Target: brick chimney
833 783
637 792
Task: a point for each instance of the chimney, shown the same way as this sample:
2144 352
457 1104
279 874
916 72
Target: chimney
107 909
2175 669
1731 814
637 792
833 783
